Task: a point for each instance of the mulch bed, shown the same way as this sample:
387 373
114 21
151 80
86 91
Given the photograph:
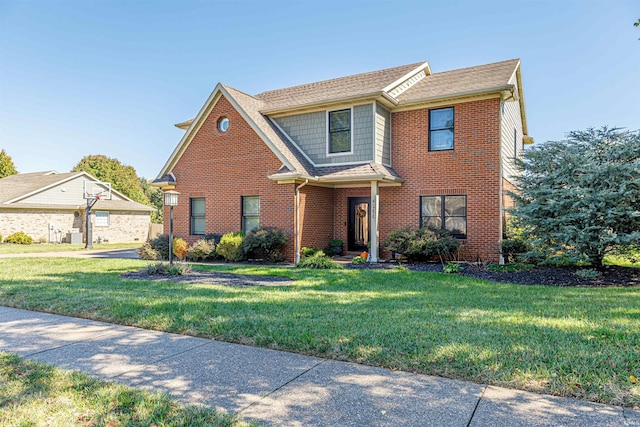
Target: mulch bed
210 277
548 276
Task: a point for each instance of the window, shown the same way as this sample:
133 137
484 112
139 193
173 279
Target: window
340 131
445 212
441 129
223 124
197 216
102 219
250 213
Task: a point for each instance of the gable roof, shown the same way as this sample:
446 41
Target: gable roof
15 188
411 84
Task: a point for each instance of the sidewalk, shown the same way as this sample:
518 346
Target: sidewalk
280 388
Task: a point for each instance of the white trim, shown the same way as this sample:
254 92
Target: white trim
95 219
327 125
407 76
407 84
375 127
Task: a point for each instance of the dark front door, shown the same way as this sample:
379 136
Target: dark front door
358 223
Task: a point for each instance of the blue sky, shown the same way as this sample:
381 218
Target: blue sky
112 77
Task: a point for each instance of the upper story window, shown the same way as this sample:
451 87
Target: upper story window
339 133
441 129
223 124
197 216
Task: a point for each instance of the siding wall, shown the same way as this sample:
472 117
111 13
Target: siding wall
309 132
383 135
68 193
511 119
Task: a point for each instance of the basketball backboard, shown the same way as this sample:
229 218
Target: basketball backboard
97 190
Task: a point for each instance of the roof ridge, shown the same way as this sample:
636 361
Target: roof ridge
477 66
226 86
337 78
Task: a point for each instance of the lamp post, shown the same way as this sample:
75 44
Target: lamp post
171 200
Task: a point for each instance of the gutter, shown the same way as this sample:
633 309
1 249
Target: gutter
327 102
497 89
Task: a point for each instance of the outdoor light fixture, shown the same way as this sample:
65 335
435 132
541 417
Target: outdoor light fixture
171 200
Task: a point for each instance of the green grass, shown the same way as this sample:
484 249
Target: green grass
577 342
34 394
8 248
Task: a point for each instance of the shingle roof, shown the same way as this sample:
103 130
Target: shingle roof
18 185
472 79
363 171
14 186
334 89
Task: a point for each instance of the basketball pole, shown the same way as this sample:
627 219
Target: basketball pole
89 228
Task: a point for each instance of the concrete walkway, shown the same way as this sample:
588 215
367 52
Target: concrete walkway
284 389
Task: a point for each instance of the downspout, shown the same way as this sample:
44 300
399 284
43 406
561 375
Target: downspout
297 234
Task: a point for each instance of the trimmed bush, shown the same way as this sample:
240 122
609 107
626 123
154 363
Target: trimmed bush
19 238
146 252
307 252
513 249
230 246
161 245
265 243
318 262
180 248
201 249
162 269
423 244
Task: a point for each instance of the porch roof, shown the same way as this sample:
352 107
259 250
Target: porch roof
343 174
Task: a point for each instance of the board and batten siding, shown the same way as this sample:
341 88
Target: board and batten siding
383 135
67 193
309 132
511 119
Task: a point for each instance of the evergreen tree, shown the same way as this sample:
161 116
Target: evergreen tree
580 198
6 165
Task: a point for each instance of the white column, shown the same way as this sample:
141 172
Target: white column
375 206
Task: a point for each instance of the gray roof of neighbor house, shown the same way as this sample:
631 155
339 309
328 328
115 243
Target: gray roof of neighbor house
21 185
419 84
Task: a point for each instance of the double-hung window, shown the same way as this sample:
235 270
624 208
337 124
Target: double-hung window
197 216
250 213
441 129
339 133
446 213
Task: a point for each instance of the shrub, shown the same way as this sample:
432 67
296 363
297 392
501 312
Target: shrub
513 249
230 246
180 248
0 237
423 244
265 243
306 252
588 273
163 269
146 252
42 239
19 238
201 249
318 262
161 245
358 260
451 268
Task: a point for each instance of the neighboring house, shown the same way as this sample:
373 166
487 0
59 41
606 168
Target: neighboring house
355 158
48 205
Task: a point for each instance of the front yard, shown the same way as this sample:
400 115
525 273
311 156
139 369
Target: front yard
8 248
577 342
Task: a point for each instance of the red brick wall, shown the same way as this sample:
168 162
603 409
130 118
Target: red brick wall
223 167
341 208
316 216
471 169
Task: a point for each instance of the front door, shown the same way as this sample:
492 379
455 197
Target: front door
358 223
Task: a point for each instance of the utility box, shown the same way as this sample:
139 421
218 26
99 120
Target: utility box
74 238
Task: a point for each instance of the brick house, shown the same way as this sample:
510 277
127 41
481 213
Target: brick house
355 158
49 205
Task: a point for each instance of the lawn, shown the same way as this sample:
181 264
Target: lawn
8 248
576 342
36 394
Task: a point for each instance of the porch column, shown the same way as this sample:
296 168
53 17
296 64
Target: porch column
375 205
